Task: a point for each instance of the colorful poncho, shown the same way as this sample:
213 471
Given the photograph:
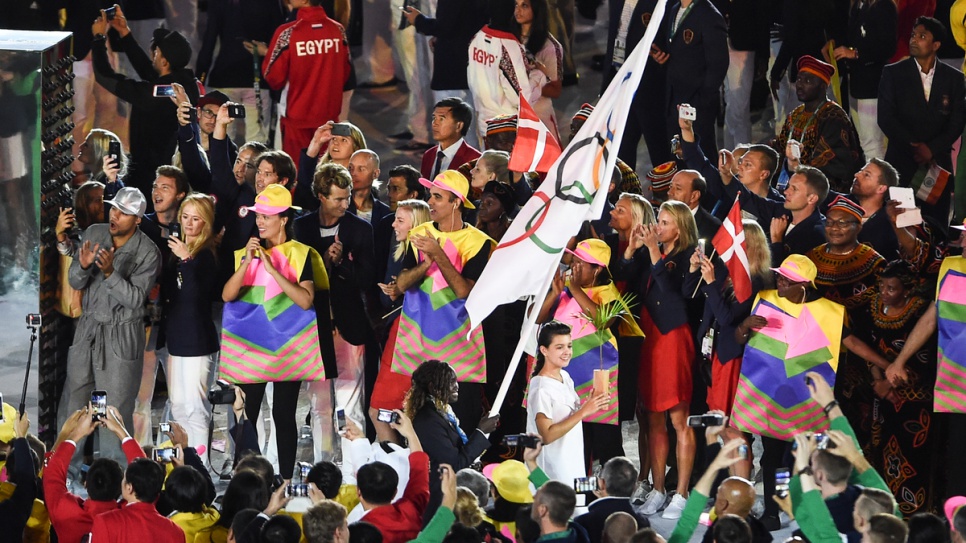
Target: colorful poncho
265 336
434 323
951 322
587 343
772 398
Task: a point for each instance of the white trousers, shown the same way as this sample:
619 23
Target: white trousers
416 75
347 392
188 381
737 88
864 116
787 100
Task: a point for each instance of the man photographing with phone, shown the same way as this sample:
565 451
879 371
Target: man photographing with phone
153 123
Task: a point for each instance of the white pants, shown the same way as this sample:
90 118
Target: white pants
864 116
188 393
737 88
417 78
347 391
787 100
249 129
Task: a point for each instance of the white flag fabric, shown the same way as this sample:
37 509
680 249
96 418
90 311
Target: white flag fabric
574 191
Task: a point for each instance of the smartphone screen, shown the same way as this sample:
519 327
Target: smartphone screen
340 418
163 91
99 404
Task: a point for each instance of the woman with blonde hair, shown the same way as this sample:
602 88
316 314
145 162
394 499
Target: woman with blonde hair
725 308
339 140
665 381
491 166
469 513
186 327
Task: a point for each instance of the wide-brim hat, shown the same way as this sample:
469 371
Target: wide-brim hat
511 479
451 181
798 269
274 199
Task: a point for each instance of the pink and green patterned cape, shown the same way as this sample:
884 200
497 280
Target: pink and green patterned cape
950 394
772 398
434 323
265 336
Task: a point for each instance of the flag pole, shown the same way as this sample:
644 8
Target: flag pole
528 324
700 279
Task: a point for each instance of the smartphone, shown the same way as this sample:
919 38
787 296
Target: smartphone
687 113
341 129
99 404
796 152
387 416
236 111
297 490
743 451
164 427
585 484
174 230
114 151
304 469
521 440
193 115
708 419
165 455
702 244
809 381
782 477
340 418
111 12
163 91
821 441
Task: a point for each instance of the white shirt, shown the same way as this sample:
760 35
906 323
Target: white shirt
448 155
926 78
562 460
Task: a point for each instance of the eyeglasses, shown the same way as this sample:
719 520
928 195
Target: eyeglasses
840 223
208 114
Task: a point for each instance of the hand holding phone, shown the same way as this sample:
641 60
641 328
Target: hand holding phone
99 405
163 91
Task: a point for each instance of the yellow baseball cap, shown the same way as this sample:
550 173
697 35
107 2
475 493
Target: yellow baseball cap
593 251
451 181
798 268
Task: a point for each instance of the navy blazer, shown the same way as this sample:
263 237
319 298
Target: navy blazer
698 55
661 286
905 116
349 280
598 511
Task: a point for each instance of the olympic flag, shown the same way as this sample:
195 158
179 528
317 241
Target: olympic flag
523 263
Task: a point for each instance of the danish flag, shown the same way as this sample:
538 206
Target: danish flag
536 148
731 247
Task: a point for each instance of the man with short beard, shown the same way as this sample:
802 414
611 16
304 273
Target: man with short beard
115 267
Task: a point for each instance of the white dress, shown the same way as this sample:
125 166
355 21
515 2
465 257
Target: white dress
562 460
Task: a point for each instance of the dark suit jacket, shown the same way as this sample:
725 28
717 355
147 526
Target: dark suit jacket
905 116
708 224
456 22
872 31
599 510
350 279
463 155
443 445
379 210
698 55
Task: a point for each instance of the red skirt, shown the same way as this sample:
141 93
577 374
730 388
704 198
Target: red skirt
390 388
724 383
665 372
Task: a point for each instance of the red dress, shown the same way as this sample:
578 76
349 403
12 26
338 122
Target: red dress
390 388
665 373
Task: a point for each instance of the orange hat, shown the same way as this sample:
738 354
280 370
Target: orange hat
816 67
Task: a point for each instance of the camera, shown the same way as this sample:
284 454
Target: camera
341 129
236 111
708 419
688 113
585 484
521 440
165 455
34 320
221 394
782 478
99 405
387 416
164 427
297 490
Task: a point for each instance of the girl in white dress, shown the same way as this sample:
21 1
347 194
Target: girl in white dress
554 411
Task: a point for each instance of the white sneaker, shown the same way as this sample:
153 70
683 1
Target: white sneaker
641 492
653 503
675 508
